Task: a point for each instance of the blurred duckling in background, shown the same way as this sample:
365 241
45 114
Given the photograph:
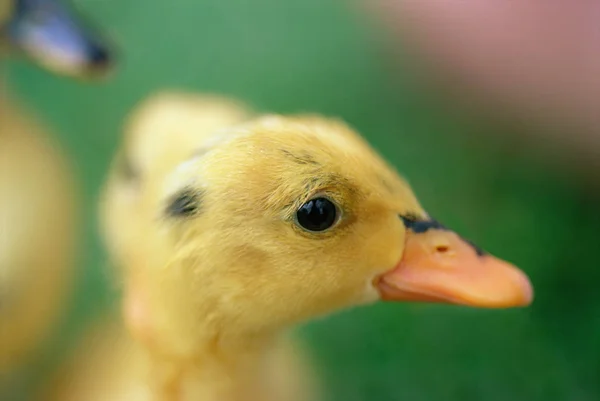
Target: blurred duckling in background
38 205
38 211
229 229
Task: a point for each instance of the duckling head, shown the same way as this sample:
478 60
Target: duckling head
53 36
290 218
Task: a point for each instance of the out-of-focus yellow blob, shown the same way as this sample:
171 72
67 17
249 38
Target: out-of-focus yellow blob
37 234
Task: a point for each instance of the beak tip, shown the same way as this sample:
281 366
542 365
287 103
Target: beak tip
521 295
517 290
527 290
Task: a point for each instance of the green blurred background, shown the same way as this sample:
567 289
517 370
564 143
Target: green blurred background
326 56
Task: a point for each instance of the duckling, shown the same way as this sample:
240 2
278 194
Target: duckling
38 202
229 228
38 210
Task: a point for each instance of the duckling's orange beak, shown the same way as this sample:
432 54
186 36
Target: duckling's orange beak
440 266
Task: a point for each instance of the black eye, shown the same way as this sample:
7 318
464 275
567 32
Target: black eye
317 214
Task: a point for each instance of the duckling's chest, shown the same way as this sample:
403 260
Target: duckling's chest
282 373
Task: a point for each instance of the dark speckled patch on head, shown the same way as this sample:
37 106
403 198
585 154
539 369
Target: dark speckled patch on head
419 226
185 203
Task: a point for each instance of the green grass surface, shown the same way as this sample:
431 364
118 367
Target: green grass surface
324 56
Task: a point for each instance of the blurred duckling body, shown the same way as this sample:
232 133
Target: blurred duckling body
38 205
229 229
108 364
37 218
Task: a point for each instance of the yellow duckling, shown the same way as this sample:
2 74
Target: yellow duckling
38 212
229 229
38 205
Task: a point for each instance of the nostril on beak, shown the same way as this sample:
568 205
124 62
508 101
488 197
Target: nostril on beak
442 248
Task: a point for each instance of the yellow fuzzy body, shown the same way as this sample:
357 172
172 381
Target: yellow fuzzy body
209 294
37 228
107 364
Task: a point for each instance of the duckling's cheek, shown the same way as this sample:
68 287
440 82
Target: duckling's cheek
378 253
385 248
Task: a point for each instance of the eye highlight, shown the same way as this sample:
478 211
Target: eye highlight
318 214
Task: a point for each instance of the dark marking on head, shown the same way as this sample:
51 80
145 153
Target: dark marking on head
185 203
419 226
304 159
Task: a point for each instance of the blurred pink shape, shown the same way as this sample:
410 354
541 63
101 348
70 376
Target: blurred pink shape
540 58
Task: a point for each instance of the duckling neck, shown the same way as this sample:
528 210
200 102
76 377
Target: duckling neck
216 357
197 360
228 370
